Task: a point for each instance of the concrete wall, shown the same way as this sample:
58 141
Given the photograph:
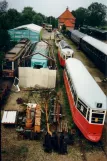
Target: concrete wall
43 77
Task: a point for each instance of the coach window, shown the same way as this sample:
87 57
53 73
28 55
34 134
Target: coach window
102 56
82 108
72 89
75 98
70 81
68 76
15 64
96 51
88 114
91 47
64 56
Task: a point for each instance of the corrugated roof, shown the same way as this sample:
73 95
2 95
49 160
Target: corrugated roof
86 87
32 27
67 14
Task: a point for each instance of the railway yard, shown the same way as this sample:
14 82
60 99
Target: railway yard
16 147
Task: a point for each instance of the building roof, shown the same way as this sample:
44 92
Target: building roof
86 87
68 23
66 15
96 43
32 27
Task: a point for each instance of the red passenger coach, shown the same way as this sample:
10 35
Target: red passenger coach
87 101
64 52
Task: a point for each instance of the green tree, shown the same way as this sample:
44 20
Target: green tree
4 37
53 21
98 14
37 19
63 30
95 15
27 15
13 18
81 16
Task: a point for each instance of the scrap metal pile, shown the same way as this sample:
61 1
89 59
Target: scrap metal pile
47 121
43 118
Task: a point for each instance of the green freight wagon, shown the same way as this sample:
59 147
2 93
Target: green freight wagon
31 31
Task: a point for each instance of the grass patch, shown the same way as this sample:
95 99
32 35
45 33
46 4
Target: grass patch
60 86
4 151
22 150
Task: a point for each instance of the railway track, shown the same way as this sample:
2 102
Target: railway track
92 147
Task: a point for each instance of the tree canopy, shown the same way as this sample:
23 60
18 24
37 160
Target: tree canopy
94 15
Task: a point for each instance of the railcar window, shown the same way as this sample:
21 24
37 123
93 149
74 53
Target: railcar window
102 55
88 115
97 118
64 56
7 65
75 97
15 64
72 90
70 82
67 75
81 108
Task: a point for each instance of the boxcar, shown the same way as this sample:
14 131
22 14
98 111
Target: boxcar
87 101
64 52
96 50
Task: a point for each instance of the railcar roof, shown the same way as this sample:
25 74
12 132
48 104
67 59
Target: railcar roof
78 33
86 87
12 53
64 44
96 43
20 45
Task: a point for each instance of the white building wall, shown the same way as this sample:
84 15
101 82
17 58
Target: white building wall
29 77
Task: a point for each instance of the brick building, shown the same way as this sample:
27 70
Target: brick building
67 19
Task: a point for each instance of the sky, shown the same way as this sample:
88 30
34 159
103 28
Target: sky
51 7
